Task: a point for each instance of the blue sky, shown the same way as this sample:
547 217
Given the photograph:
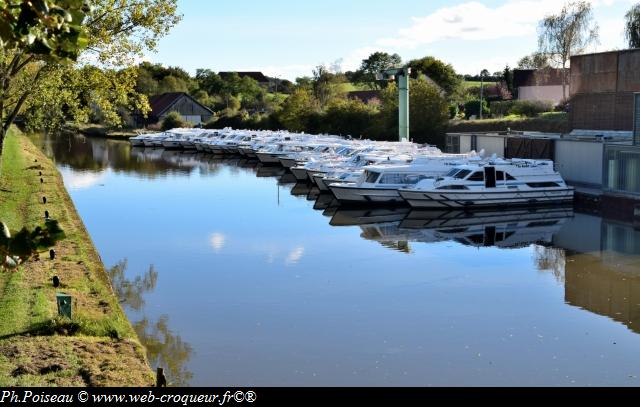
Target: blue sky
287 38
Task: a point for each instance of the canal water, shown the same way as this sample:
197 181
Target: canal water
234 275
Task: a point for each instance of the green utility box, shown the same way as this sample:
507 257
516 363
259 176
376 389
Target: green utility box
64 305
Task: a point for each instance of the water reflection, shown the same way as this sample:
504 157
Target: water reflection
131 292
295 280
164 348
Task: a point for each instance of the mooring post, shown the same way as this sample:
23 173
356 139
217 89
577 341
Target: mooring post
44 200
161 380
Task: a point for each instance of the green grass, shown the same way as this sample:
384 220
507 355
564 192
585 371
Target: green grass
476 84
14 193
352 87
550 122
27 297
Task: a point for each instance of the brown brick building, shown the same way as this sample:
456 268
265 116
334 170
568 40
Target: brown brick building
602 90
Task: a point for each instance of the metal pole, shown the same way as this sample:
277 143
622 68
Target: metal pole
636 119
403 123
481 93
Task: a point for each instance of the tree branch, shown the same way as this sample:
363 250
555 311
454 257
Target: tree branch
12 117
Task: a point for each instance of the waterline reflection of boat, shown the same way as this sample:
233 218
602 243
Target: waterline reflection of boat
325 201
351 217
504 229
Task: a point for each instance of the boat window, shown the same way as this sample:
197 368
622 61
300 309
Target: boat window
499 175
404 179
462 174
477 176
509 177
452 172
371 177
543 184
453 188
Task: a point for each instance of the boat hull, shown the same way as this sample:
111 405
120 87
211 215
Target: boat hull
289 162
354 195
323 183
472 199
299 173
268 158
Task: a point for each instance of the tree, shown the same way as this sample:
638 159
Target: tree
568 33
378 61
428 109
297 109
41 40
632 26
323 85
30 34
170 84
507 78
537 60
209 81
442 74
173 120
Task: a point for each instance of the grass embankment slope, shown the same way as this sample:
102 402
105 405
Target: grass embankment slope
547 123
98 347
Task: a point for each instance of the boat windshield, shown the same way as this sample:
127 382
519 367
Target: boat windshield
402 179
371 176
452 172
462 174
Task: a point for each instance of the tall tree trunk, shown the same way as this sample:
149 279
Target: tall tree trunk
2 134
564 82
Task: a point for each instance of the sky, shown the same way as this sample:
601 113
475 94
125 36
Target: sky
288 38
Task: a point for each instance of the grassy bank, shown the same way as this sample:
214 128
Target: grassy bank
547 123
98 347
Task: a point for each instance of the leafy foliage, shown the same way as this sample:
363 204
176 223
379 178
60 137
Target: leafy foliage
173 120
472 108
526 108
442 74
375 63
632 26
537 60
52 28
568 33
45 89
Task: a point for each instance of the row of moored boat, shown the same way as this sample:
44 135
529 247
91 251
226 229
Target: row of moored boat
372 172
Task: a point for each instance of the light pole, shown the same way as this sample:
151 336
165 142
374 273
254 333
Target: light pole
482 75
403 75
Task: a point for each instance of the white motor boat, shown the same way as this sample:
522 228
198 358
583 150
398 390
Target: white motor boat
492 184
379 184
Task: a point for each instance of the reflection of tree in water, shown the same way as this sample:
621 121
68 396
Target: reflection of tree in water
164 348
551 259
130 292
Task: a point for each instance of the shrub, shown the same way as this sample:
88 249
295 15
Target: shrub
472 108
173 121
503 108
530 108
453 111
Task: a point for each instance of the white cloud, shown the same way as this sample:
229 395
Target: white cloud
474 21
294 256
471 21
217 241
84 180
